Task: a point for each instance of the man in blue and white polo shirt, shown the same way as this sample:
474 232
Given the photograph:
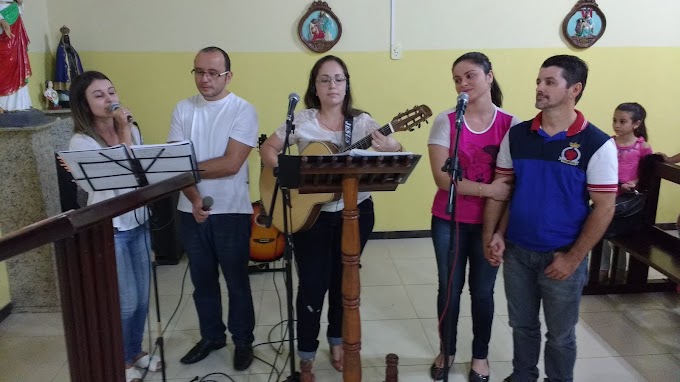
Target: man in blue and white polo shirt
559 162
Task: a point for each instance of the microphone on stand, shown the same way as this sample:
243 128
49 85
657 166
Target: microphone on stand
293 99
207 203
115 106
461 104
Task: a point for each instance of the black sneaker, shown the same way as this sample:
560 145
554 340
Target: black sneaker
243 357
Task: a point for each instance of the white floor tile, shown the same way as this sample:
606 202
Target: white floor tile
378 271
424 299
620 333
663 367
621 338
612 369
36 358
597 303
661 326
33 325
420 248
406 338
170 278
417 271
385 303
169 304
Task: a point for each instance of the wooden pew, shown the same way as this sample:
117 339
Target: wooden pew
648 246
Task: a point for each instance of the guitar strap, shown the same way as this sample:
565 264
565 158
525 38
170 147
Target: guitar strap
349 125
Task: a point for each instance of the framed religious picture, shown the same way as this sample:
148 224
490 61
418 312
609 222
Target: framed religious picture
584 24
319 29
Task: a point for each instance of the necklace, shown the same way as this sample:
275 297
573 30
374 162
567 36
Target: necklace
325 126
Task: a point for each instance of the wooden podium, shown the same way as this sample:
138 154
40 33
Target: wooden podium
349 175
88 282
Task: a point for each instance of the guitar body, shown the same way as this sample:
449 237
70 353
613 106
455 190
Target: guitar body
305 208
266 244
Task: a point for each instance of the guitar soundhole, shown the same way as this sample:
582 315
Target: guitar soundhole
261 220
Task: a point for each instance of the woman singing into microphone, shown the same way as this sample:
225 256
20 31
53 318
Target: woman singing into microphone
482 130
99 121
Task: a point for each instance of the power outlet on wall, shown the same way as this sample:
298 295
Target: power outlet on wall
395 51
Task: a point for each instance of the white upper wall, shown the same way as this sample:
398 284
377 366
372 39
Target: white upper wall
270 25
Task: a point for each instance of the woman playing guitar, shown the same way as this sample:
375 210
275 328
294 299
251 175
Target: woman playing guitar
329 117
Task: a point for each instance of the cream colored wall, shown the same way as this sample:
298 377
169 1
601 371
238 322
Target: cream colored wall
4 285
269 25
147 49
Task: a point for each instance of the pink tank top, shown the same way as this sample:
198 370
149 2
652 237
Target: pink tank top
477 156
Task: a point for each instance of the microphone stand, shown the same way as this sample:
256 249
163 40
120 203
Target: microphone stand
159 340
289 248
452 167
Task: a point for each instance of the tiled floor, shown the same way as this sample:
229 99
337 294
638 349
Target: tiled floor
620 338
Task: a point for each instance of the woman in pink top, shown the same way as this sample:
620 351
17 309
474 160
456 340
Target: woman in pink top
483 128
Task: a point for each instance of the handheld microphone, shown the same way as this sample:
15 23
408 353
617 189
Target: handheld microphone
461 104
207 203
293 99
115 106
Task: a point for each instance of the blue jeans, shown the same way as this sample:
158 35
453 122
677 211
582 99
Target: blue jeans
318 259
133 249
525 287
223 240
468 245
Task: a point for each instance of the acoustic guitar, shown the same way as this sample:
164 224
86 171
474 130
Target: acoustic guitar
305 208
266 244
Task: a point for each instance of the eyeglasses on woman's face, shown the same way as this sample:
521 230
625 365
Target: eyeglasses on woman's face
326 80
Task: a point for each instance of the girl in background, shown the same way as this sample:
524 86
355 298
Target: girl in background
631 144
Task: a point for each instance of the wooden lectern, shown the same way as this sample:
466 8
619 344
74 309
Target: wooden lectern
349 175
88 282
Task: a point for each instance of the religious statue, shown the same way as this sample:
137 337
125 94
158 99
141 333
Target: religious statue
51 96
15 69
68 65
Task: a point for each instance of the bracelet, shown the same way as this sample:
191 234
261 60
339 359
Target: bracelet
479 189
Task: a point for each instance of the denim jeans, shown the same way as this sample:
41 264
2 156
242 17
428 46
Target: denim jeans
222 241
318 258
133 249
526 286
468 245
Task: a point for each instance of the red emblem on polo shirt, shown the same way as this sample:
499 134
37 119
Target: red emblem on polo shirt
571 155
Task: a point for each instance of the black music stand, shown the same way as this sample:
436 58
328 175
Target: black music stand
121 167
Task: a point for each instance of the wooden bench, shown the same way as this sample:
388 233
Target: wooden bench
648 246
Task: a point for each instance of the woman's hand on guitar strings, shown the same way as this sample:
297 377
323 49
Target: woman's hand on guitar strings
384 143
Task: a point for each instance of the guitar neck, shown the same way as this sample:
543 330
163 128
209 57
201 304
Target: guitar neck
365 142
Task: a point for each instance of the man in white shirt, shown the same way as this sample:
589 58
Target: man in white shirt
223 129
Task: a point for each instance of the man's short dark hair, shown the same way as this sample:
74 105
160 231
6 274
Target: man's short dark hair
227 61
574 70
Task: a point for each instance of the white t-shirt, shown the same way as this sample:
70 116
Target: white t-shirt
210 125
128 220
307 130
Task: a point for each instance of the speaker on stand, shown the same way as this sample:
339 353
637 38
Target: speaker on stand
165 229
